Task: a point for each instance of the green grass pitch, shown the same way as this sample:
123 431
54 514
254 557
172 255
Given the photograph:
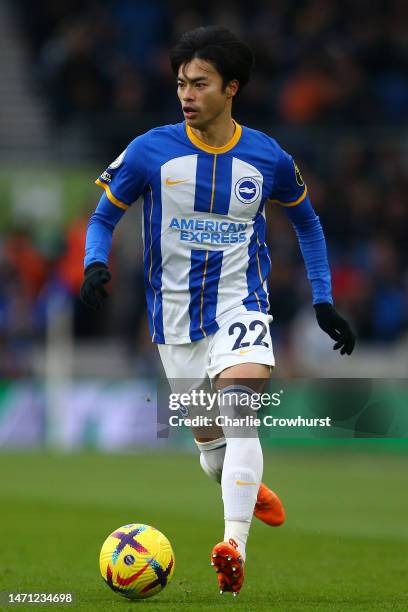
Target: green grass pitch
344 546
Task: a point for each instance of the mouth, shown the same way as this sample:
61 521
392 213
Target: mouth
189 112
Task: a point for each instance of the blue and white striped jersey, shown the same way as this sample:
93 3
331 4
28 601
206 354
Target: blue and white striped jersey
203 222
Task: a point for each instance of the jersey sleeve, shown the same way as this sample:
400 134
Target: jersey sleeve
99 232
313 247
125 179
288 188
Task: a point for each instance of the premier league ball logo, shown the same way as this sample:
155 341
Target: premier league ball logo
247 190
129 559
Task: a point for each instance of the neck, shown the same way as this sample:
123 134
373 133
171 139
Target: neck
218 133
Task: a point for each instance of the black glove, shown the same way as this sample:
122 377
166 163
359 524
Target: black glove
92 291
337 328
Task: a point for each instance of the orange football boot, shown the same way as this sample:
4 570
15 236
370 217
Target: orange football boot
229 566
268 507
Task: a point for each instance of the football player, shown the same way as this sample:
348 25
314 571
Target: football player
204 185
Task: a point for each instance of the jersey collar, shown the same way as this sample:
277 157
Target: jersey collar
205 147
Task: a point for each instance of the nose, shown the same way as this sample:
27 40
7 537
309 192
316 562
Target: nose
188 93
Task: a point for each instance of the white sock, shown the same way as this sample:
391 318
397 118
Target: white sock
233 461
212 455
241 477
243 465
237 531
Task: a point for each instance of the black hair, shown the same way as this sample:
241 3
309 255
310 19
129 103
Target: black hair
231 57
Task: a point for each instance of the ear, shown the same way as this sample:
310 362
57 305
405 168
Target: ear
232 88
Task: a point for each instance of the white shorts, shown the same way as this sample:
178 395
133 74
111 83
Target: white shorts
243 337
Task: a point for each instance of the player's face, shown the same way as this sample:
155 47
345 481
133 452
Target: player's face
202 94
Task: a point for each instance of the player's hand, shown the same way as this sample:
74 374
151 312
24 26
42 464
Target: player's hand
92 291
336 327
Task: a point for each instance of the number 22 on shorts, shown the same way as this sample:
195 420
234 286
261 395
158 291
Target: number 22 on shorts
242 332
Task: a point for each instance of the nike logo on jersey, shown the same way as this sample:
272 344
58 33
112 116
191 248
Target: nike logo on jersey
241 483
245 351
176 182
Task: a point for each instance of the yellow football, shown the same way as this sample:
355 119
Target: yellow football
136 561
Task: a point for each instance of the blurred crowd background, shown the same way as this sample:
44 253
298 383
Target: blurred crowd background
330 83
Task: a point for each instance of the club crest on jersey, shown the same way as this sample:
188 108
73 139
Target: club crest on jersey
118 160
247 190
